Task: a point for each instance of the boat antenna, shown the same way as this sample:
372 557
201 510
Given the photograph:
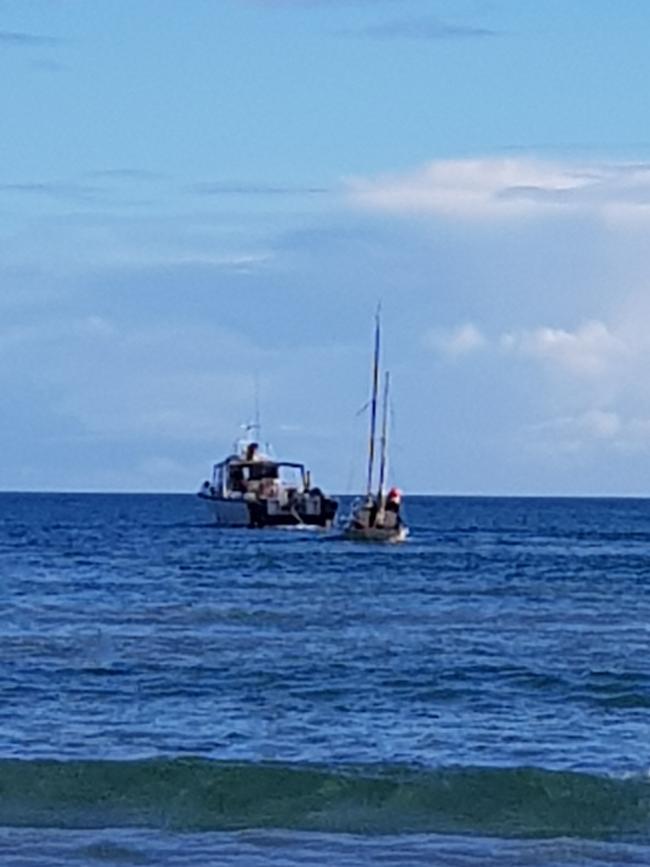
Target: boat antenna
252 429
373 400
384 442
257 423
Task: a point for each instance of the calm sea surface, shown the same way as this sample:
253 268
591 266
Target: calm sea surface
176 694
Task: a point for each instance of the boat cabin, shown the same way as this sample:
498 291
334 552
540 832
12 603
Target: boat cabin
250 489
260 477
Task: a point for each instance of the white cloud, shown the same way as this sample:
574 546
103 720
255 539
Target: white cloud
582 432
463 340
590 350
598 386
509 187
592 393
572 432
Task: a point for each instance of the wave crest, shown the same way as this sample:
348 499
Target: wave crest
199 795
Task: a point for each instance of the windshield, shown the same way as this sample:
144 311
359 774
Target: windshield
258 471
291 476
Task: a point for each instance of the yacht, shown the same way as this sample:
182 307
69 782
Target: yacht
250 489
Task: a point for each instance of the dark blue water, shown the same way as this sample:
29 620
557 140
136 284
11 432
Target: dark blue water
173 693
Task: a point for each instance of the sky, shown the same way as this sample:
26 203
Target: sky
202 201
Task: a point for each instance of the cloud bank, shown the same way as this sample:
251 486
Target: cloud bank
590 381
518 346
509 187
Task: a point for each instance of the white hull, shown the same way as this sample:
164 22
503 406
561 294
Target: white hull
228 513
308 511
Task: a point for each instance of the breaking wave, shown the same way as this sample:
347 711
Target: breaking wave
193 794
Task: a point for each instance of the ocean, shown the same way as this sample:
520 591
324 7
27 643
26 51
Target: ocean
177 694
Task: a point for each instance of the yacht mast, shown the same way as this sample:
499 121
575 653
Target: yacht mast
373 405
384 443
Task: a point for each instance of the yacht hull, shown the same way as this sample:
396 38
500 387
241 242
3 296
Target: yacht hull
228 513
312 512
376 534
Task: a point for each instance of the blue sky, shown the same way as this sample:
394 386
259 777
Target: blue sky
196 194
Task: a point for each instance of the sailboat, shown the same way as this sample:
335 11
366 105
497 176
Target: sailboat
376 516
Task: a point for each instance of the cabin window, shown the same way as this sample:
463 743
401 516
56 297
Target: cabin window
257 472
292 477
237 481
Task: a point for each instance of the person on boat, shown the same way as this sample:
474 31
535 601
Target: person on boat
393 503
252 452
393 500
269 488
